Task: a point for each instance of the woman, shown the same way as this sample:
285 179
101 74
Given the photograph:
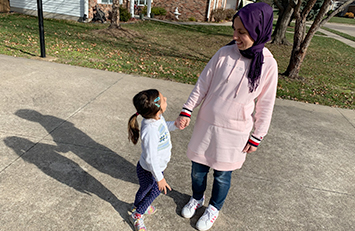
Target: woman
240 79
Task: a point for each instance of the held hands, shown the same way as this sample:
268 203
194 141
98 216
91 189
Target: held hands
182 122
249 148
162 185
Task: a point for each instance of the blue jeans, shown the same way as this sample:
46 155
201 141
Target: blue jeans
221 184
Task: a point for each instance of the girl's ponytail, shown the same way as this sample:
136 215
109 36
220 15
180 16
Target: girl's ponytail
147 104
133 129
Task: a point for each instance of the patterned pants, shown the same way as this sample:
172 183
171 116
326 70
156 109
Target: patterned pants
147 191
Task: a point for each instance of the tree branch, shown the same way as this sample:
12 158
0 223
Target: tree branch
308 8
342 7
316 23
294 3
279 5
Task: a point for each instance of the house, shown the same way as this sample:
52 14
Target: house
62 9
201 10
349 8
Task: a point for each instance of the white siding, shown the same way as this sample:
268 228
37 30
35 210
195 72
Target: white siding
231 4
66 7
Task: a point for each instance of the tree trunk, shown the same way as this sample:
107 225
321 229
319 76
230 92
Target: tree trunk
301 39
281 8
279 34
298 51
115 19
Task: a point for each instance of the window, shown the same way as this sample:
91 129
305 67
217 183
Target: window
105 1
140 2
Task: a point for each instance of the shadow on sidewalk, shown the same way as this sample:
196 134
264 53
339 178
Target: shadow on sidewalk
68 138
71 139
64 170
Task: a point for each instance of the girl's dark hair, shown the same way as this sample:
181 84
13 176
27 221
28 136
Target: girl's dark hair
148 106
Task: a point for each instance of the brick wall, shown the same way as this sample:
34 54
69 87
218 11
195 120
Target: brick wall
187 8
104 7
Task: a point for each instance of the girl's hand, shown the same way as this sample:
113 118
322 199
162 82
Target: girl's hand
249 148
182 122
162 185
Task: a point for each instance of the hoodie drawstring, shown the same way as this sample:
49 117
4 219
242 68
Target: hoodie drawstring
243 76
240 84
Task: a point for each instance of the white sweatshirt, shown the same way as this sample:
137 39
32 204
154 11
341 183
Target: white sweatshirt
156 145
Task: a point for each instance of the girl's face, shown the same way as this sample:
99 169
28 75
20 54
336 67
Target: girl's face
241 35
163 102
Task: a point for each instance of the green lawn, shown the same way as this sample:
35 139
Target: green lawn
178 53
342 20
340 34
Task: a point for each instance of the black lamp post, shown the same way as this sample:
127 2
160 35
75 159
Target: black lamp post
41 29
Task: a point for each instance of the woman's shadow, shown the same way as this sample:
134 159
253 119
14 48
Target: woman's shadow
68 138
64 170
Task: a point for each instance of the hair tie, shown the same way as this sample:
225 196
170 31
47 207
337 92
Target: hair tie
156 100
137 114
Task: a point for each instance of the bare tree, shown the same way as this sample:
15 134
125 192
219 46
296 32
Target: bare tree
115 17
301 38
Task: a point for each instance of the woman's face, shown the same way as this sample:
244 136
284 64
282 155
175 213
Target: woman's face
241 35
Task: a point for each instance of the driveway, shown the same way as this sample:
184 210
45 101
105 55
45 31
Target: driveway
343 28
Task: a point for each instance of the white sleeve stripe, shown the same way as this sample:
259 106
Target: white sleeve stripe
255 140
186 111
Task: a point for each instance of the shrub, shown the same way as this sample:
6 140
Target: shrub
154 10
144 10
349 14
219 15
229 14
158 11
124 14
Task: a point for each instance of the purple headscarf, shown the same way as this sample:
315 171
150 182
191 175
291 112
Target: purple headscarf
257 19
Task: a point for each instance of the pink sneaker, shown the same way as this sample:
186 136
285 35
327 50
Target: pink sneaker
138 221
150 210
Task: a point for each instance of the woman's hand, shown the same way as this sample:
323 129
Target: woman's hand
182 122
249 148
162 185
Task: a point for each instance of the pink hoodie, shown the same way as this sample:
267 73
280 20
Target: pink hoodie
226 116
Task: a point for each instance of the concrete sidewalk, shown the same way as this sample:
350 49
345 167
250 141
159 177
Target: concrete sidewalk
66 163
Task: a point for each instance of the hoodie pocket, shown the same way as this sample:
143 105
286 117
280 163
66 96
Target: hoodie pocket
227 113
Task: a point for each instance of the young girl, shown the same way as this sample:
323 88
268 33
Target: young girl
156 151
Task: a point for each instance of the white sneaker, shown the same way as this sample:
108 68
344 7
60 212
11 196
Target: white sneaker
190 208
207 219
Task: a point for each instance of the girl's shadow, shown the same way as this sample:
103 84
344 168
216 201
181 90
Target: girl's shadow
68 138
